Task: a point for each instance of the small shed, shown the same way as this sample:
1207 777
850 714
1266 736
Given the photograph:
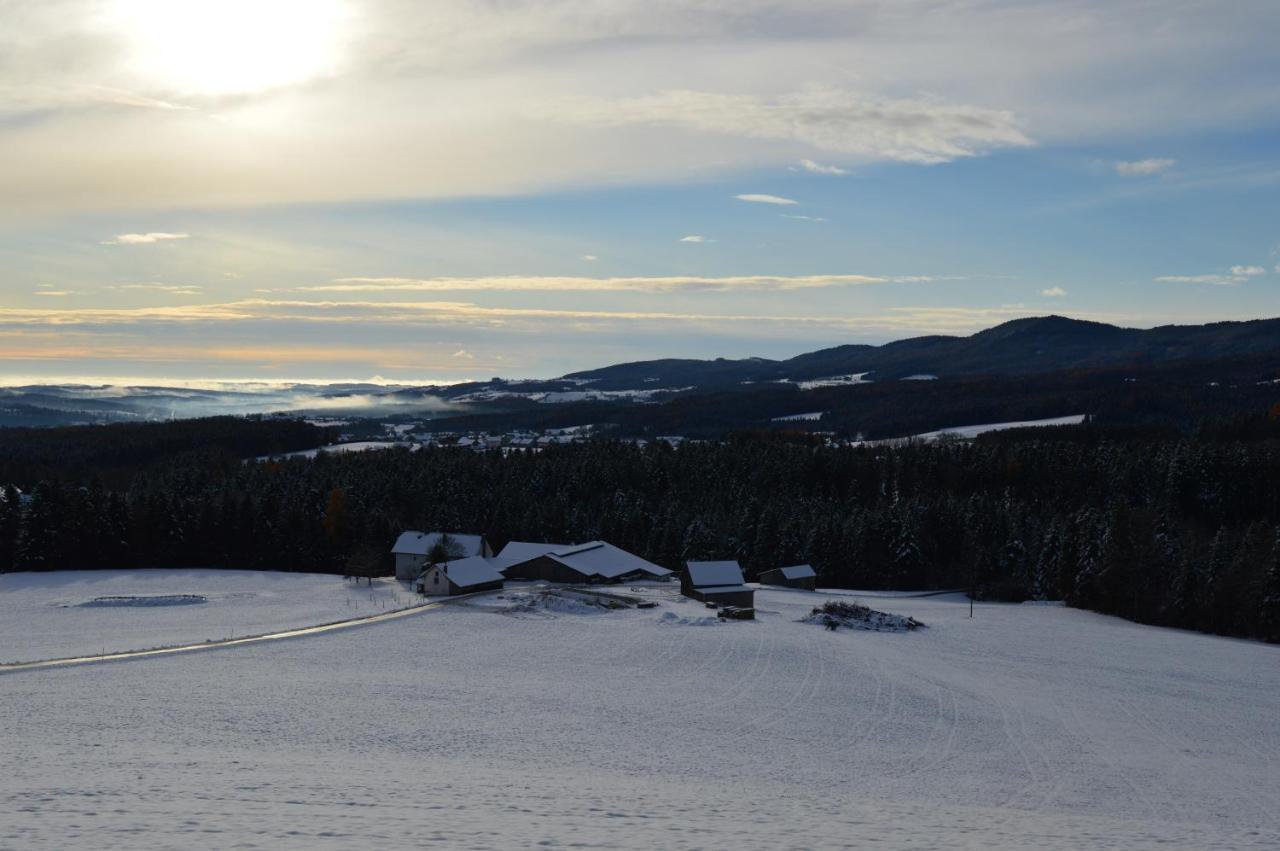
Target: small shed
796 576
464 576
412 550
717 582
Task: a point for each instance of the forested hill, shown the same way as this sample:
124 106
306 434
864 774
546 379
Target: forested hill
1182 531
1019 347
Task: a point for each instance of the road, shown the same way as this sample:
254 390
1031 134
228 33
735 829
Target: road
11 667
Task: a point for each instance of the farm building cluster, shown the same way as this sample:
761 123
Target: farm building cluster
448 563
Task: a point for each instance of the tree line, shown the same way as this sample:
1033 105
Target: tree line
1181 531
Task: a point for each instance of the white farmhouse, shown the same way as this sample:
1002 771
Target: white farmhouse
412 549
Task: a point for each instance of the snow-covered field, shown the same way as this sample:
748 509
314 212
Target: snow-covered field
73 613
478 726
975 430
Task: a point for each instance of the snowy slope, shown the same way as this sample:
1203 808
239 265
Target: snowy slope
51 615
1028 726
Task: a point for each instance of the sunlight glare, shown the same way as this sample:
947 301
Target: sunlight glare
221 47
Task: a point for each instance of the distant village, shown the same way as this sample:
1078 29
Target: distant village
448 564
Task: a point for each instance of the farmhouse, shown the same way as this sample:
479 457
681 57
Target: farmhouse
796 576
464 576
595 561
413 549
717 582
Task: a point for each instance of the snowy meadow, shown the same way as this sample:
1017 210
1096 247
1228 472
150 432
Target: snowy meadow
494 723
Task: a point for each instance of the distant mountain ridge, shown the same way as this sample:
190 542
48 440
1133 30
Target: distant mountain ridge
1018 347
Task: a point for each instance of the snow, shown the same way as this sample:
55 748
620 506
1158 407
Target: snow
1024 727
975 430
476 570
420 543
832 381
706 573
339 448
599 558
798 571
516 552
811 416
70 613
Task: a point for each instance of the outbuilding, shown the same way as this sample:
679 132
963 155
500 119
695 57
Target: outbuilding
592 562
717 582
464 576
414 550
795 576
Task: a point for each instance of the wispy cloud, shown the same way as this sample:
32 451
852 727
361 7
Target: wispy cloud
693 237
175 289
802 218
670 283
760 198
1053 292
819 168
144 238
53 293
1144 168
1237 275
590 258
916 130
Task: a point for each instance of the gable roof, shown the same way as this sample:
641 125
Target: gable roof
420 543
704 574
600 558
466 572
517 552
798 571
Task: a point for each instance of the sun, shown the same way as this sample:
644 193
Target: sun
224 47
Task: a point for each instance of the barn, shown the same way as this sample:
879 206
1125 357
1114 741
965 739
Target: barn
796 576
594 561
717 582
464 576
413 548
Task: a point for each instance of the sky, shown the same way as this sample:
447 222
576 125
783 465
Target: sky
389 189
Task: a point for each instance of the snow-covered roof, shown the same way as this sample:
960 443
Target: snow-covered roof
420 543
708 573
476 570
517 552
599 558
798 571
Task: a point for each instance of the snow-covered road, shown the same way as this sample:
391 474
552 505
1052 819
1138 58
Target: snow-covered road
1025 727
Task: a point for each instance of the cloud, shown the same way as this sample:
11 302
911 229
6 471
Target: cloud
175 289
1144 168
547 95
53 293
757 198
1248 271
590 258
693 237
462 354
1053 292
819 168
919 130
802 218
1237 275
569 283
143 238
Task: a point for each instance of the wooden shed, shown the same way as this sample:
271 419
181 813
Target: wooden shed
795 576
464 576
717 582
